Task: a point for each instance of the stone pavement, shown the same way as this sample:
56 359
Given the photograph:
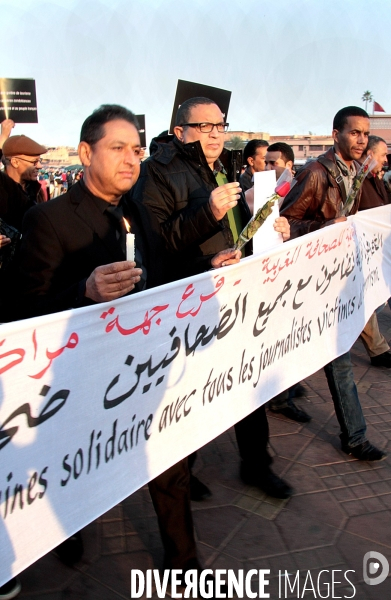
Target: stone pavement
341 510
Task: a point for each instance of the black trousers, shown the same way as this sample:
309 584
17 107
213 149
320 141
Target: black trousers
170 495
170 491
252 435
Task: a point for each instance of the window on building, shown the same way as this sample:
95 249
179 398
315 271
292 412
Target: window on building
301 148
316 147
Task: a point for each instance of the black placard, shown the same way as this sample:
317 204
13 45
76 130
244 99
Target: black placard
188 89
142 133
18 100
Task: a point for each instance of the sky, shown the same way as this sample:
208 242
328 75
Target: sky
290 64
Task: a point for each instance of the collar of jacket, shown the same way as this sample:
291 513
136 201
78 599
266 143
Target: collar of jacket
165 152
190 153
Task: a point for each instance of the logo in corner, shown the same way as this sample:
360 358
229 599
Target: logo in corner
372 562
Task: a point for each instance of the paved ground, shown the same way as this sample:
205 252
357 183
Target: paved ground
341 510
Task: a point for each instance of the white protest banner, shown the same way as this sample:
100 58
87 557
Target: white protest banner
97 401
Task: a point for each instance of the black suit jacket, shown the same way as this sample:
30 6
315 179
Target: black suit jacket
65 239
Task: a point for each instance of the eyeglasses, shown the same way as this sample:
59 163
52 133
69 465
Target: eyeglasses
208 127
33 162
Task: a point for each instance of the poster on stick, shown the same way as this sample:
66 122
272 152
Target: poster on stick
97 401
18 100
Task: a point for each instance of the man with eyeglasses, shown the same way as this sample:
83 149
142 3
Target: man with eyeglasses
19 190
201 214
19 187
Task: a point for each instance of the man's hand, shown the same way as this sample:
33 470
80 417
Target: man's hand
112 281
4 241
281 224
223 198
225 258
6 128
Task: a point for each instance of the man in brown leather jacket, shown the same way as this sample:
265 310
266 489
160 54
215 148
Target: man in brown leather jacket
314 202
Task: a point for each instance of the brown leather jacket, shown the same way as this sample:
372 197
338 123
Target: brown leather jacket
315 199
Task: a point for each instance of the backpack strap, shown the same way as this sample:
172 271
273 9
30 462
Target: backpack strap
334 175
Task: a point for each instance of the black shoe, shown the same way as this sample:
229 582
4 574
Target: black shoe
71 550
10 589
365 451
267 481
298 391
382 360
293 412
198 490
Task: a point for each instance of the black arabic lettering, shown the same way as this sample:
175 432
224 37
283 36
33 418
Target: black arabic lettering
262 311
51 407
139 370
300 287
203 337
327 277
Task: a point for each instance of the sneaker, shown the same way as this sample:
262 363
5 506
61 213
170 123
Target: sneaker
293 412
267 481
382 360
365 451
10 589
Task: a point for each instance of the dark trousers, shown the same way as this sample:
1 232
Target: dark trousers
252 435
170 495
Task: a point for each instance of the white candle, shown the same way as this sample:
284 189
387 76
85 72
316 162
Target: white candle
130 246
130 251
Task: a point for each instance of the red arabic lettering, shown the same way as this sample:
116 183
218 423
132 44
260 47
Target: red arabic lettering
18 351
275 268
318 247
189 291
145 326
71 343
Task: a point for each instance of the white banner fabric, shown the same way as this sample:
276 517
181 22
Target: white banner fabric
96 402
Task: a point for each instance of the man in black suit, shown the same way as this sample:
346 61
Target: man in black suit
73 256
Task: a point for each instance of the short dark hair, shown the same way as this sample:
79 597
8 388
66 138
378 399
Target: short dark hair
285 149
251 148
341 118
373 141
92 129
183 113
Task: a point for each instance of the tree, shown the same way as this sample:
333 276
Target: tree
236 143
367 97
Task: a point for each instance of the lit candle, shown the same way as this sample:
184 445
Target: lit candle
130 249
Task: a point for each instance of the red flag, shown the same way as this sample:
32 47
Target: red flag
377 107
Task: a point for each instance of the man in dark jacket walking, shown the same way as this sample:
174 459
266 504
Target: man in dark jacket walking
200 214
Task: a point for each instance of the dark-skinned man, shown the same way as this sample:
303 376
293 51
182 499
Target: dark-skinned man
315 202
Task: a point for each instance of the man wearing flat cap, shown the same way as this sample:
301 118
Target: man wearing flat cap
19 191
19 188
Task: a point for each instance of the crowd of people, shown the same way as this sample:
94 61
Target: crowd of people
185 214
55 182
